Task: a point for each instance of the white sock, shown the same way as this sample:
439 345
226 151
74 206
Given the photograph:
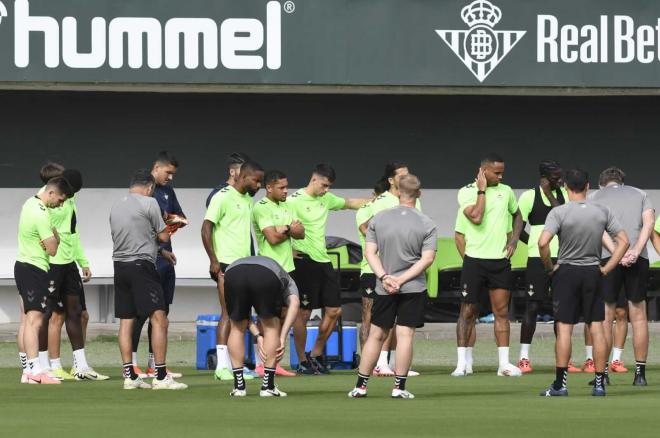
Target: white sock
524 351
23 359
151 362
382 359
392 362
228 364
503 354
33 366
222 353
56 363
79 360
134 357
589 352
617 353
257 356
461 353
468 357
44 363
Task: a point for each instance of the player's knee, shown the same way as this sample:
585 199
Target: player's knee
84 316
159 319
333 312
57 319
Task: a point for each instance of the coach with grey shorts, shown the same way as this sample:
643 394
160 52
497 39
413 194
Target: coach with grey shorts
400 246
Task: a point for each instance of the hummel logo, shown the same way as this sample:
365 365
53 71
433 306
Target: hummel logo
481 48
464 293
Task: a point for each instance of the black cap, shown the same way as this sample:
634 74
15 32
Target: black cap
74 178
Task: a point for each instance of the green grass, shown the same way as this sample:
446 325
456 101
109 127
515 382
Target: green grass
479 405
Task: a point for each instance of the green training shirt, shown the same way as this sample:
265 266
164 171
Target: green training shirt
312 211
361 216
388 200
266 214
65 221
231 214
488 239
525 204
34 227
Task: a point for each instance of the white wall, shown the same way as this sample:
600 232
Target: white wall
93 211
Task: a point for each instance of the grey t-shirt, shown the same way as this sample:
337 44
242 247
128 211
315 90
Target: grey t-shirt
627 204
288 285
135 222
580 226
402 234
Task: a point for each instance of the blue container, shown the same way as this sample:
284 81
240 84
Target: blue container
349 346
206 328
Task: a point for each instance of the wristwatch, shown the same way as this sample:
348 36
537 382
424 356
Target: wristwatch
481 192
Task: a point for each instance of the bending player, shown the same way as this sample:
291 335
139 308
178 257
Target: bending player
259 282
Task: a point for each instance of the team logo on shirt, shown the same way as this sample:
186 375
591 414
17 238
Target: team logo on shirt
480 47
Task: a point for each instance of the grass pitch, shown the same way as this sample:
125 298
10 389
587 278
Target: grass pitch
481 405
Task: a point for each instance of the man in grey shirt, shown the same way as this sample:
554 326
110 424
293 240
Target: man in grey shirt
137 227
400 245
259 282
576 286
635 213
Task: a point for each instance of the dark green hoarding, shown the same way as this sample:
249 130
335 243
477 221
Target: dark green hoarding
436 43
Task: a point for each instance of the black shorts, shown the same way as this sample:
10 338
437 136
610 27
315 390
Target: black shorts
223 268
484 274
317 283
138 291
629 282
400 309
167 276
248 286
576 291
368 285
67 282
536 280
33 286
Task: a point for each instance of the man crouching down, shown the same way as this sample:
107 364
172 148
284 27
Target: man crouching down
259 282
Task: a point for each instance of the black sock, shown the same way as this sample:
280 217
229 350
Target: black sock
561 378
161 371
599 381
400 382
239 381
129 371
269 379
362 381
640 368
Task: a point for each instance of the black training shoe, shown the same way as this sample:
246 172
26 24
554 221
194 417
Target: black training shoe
640 380
317 364
552 392
306 368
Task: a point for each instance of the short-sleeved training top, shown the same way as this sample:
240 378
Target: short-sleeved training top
313 211
488 239
580 226
402 234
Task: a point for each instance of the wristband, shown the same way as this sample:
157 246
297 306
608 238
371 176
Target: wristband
481 192
382 277
288 230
